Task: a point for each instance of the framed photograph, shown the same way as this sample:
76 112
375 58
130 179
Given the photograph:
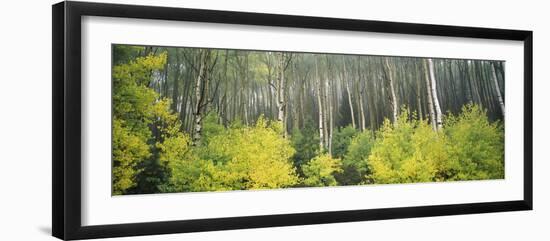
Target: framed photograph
170 120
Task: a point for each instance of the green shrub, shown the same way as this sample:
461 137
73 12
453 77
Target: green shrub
408 151
355 161
342 139
320 171
476 144
306 143
238 158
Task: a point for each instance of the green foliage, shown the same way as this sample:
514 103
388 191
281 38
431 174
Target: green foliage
258 156
408 151
185 166
211 126
174 148
142 123
128 149
153 153
306 143
124 53
238 158
476 144
342 139
355 160
320 171
468 148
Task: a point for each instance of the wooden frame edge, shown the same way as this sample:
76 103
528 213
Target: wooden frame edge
66 166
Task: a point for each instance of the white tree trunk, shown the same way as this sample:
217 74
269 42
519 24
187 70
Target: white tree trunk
361 110
197 130
430 98
281 93
325 112
361 92
395 107
331 119
497 87
319 93
439 120
349 95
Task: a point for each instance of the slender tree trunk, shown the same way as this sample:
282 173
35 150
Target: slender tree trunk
393 99
497 88
297 98
328 109
234 96
361 91
430 98
281 92
175 91
200 88
325 109
270 92
245 90
346 80
319 93
302 110
362 112
489 104
223 114
466 81
369 82
418 92
184 113
331 119
454 91
371 107
159 83
439 120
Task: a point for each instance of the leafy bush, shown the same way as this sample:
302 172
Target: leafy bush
342 139
135 108
305 142
320 171
238 158
408 151
355 160
211 127
128 149
476 144
469 148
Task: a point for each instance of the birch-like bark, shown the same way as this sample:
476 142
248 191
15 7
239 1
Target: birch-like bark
345 79
328 108
392 91
321 131
362 89
197 130
430 98
331 118
361 109
438 118
281 92
325 111
497 88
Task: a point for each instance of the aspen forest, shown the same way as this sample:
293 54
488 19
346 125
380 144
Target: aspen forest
198 120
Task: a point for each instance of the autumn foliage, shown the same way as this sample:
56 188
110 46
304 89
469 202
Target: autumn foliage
153 153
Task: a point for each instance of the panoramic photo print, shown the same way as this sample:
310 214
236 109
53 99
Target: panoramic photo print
199 120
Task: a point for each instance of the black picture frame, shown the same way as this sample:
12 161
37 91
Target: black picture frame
66 127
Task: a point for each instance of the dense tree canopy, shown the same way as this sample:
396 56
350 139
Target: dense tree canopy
190 119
